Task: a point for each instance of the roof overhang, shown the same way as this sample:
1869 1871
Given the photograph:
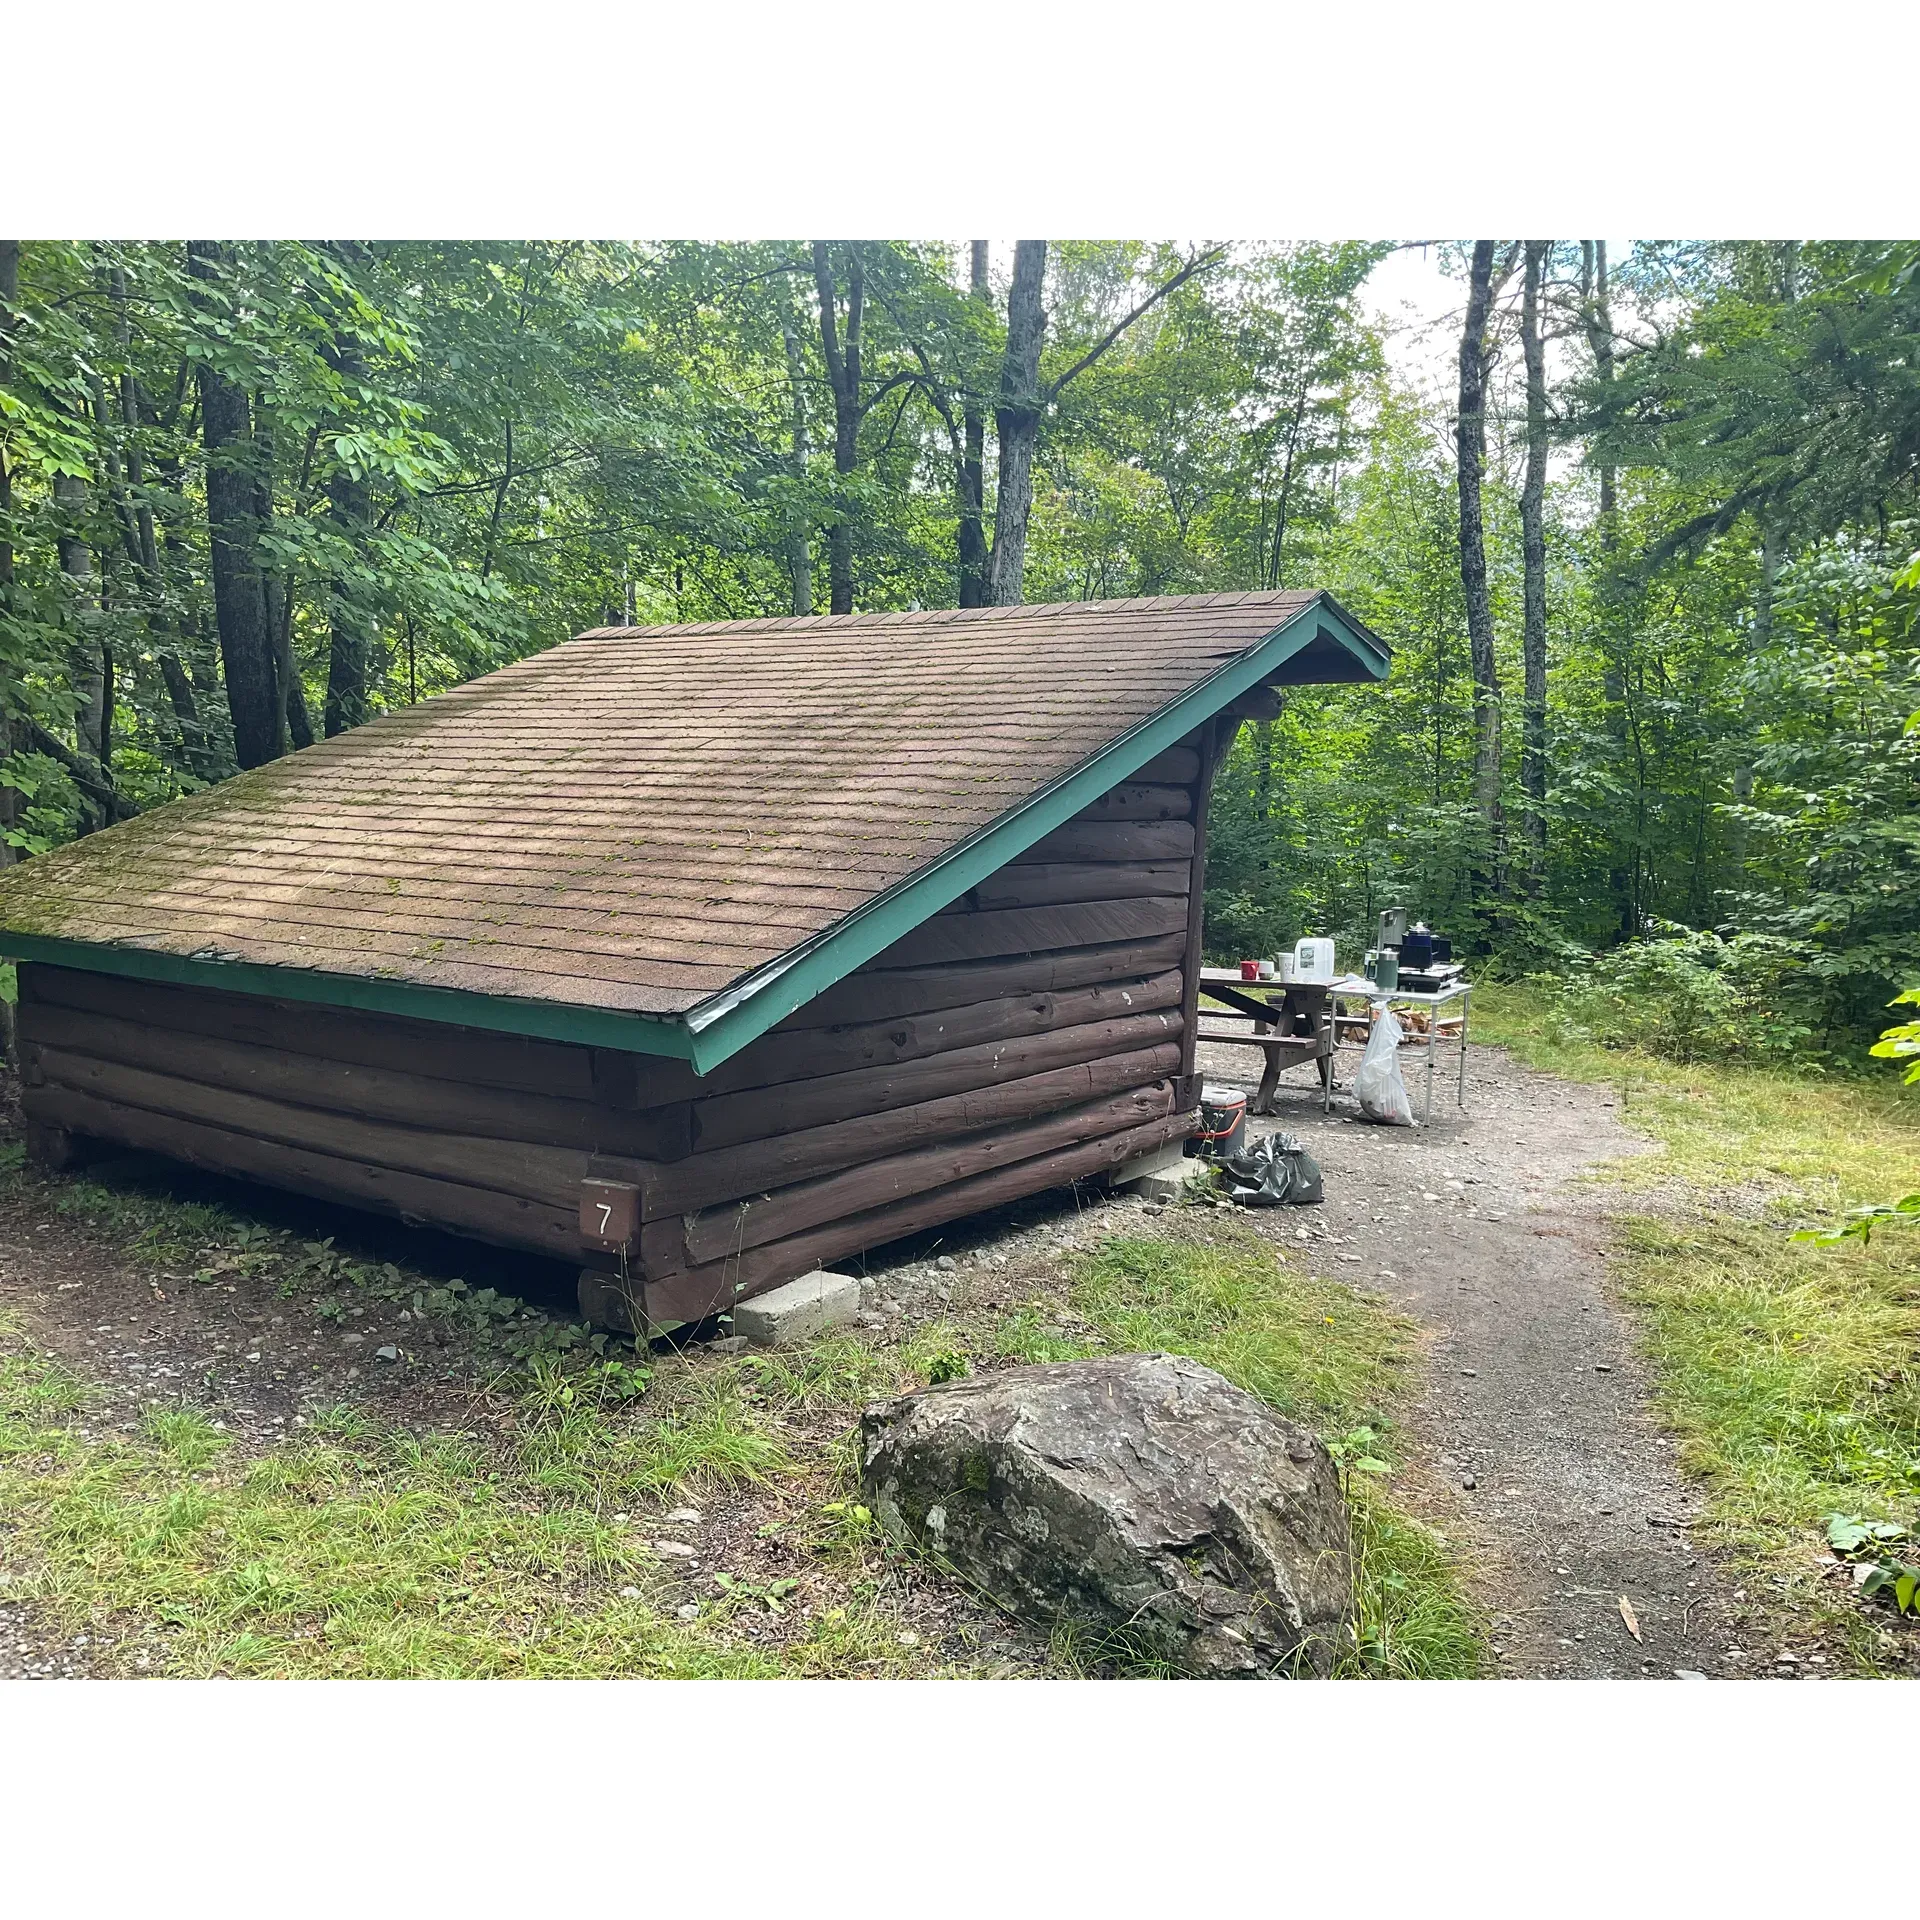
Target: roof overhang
1321 643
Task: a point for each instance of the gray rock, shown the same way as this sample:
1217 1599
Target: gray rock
1140 1495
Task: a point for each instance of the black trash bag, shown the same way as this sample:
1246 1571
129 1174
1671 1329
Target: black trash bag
1275 1172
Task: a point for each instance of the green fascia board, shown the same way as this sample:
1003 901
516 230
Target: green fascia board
728 1021
720 1026
535 1019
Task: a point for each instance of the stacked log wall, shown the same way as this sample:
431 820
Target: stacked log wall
1036 1031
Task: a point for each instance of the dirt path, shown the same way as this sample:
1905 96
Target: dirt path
1534 1445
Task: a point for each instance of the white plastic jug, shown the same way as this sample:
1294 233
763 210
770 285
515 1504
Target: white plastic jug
1313 960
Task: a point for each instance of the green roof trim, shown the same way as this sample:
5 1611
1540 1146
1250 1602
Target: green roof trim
536 1019
717 1028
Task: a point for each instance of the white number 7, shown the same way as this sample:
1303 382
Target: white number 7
606 1218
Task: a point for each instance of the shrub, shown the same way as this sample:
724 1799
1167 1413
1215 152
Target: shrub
1687 995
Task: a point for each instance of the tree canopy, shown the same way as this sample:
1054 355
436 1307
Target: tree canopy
253 493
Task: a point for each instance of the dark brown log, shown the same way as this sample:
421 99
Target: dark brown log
1135 802
985 936
1177 767
549 1175
759 1166
378 1093
780 1057
1132 842
701 1291
495 1217
732 1118
864 996
466 1054
777 1216
661 1249
1039 884
1211 753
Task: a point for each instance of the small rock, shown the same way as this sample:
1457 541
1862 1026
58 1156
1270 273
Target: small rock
691 1611
629 1593
946 1263
733 1343
352 1339
386 1353
1688 1673
1600 1366
684 1517
676 1549
1468 1482
1469 1373
909 1638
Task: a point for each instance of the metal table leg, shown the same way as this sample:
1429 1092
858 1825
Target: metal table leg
1433 1036
1466 1002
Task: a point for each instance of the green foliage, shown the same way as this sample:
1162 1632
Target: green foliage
1687 996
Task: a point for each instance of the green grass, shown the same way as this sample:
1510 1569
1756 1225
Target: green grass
1790 1370
1327 1356
362 1550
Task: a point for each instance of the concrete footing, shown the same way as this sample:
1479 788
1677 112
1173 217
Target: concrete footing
1162 1176
797 1311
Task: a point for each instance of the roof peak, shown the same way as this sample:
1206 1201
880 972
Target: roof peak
1144 604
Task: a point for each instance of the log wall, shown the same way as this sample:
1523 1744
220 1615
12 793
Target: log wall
1037 1031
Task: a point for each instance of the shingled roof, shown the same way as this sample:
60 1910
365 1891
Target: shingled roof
653 825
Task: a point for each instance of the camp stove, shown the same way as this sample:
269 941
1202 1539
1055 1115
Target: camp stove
1414 958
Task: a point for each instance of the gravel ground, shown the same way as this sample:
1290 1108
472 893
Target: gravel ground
1533 1446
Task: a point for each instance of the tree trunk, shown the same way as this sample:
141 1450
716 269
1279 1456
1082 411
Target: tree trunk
973 463
1533 545
1613 673
9 310
352 622
254 695
843 376
1017 424
1472 453
799 546
86 657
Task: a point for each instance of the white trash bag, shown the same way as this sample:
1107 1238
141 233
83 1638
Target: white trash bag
1378 1086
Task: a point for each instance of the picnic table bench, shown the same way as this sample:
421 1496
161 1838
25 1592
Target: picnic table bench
1290 1026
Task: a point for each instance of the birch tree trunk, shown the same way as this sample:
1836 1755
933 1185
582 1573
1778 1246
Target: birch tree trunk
239 594
1017 424
1533 545
1472 460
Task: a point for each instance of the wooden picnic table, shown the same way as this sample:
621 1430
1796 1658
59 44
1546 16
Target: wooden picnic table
1290 1026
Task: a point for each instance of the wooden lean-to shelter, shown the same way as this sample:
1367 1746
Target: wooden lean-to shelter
699 956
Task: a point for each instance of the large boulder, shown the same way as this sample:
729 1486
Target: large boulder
1142 1496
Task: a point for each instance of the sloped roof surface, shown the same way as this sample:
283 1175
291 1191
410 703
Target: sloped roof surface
635 819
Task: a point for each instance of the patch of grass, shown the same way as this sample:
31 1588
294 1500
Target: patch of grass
1324 1355
364 1550
1791 1371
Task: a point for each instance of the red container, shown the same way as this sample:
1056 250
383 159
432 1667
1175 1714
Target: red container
1249 969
